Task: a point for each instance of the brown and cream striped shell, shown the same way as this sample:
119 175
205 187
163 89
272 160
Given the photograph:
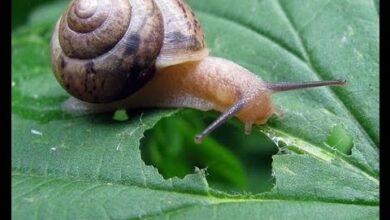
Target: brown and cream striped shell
105 50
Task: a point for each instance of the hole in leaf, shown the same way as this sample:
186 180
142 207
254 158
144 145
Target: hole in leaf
234 161
340 139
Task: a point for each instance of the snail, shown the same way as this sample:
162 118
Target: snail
111 54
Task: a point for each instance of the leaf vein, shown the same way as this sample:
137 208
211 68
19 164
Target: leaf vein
316 14
218 197
350 111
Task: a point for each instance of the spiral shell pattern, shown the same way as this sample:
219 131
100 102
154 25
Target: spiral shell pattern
104 50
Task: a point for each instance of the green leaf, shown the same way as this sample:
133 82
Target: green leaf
67 167
340 139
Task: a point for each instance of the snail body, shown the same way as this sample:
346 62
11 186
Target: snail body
157 59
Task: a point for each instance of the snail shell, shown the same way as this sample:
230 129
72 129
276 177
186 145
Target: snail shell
105 50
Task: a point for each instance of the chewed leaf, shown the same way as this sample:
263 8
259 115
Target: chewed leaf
90 167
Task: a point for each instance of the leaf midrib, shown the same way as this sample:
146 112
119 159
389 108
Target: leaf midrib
213 196
189 206
352 167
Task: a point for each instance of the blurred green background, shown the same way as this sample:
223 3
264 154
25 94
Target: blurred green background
22 8
235 162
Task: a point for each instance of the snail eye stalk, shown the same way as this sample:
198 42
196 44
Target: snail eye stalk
286 86
226 115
